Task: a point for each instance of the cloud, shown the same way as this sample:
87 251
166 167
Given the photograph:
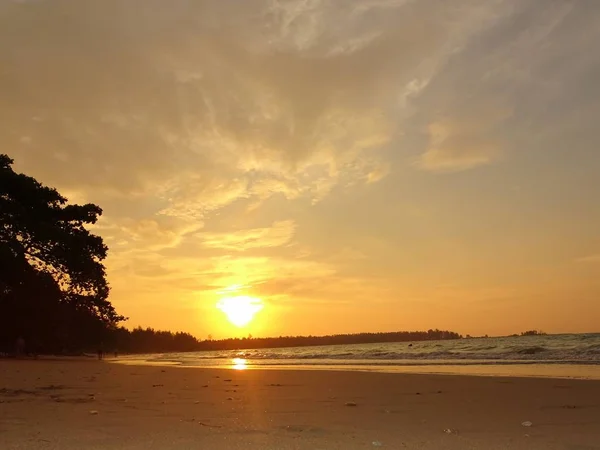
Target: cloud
228 101
145 234
192 196
223 137
378 173
277 235
457 144
210 90
494 94
210 277
590 259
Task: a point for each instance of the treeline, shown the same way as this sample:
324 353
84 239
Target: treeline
529 333
148 340
336 339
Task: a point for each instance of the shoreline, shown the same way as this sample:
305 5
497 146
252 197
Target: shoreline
576 370
579 371
47 404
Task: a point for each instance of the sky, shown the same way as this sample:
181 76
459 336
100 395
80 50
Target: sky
354 165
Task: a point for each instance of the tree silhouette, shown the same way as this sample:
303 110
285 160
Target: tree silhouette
53 287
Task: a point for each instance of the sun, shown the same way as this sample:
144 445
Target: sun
240 310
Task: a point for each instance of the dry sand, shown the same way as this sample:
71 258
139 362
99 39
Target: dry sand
99 405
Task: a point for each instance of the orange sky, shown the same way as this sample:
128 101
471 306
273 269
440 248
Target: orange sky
357 166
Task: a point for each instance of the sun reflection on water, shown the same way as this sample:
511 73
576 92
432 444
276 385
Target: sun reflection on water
239 363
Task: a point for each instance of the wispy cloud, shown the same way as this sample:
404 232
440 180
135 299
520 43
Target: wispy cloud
457 144
590 259
245 142
277 235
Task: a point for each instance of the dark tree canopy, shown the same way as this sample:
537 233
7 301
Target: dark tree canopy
53 286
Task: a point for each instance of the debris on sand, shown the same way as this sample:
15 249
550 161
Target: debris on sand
93 412
53 387
209 425
527 423
351 404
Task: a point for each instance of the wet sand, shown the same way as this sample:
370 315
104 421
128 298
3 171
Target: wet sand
99 405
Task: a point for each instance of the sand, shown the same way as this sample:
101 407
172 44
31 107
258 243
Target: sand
100 405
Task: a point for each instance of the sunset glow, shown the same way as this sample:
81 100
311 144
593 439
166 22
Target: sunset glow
352 165
240 310
239 364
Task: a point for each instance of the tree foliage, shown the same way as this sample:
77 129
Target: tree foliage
533 333
53 288
149 340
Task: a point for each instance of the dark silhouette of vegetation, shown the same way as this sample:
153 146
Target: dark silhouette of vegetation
336 339
53 288
533 333
149 340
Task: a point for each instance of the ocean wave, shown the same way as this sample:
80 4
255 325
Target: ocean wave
531 350
546 349
531 353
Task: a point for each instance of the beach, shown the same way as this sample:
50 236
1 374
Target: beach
86 404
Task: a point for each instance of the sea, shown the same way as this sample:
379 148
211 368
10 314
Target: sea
556 356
